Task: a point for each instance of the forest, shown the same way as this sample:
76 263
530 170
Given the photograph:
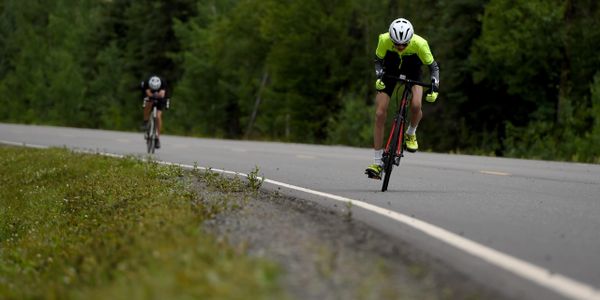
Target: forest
518 78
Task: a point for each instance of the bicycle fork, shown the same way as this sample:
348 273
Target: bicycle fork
398 151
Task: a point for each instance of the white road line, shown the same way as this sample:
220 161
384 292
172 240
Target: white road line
494 173
553 281
23 144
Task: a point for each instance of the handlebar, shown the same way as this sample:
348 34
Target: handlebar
402 78
155 100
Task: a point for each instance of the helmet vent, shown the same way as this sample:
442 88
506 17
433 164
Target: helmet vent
401 31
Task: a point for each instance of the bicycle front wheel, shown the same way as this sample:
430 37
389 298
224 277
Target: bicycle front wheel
151 136
388 160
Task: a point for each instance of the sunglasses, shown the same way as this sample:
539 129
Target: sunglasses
401 45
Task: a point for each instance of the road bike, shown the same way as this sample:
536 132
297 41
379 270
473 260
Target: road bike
394 149
151 133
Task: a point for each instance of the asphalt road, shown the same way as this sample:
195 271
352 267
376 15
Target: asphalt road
546 214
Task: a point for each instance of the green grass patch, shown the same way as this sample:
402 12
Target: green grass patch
80 226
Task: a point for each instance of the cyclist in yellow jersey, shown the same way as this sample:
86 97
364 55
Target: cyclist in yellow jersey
400 51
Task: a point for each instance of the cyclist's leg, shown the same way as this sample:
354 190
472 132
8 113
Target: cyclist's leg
147 110
145 114
415 106
160 106
415 117
412 68
159 122
382 101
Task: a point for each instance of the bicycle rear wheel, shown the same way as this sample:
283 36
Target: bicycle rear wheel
390 157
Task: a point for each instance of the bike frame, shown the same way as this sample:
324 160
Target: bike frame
394 149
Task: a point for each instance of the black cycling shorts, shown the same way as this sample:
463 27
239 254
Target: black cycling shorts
409 65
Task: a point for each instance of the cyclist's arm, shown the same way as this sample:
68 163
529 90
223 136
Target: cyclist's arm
160 94
380 51
378 67
426 57
434 70
384 43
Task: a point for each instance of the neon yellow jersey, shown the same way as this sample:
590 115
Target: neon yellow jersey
417 45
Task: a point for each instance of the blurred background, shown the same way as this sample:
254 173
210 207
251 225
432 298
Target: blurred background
519 78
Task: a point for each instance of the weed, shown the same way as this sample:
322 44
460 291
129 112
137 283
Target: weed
348 215
254 181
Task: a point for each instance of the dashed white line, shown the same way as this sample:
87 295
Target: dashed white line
494 173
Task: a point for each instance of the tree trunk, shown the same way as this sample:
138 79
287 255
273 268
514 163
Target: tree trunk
565 70
263 83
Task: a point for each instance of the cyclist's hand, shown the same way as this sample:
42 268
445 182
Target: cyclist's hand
435 84
379 85
431 96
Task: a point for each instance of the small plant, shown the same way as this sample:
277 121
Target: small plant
349 211
254 181
196 170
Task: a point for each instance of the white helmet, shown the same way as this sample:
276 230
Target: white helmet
154 83
401 31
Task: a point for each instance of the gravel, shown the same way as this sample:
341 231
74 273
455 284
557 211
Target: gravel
327 254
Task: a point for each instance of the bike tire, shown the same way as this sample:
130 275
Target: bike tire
388 162
154 135
151 136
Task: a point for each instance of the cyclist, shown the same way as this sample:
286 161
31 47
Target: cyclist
155 87
400 51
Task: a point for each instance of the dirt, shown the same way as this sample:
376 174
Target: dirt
327 254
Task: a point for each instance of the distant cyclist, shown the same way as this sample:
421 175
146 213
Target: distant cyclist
155 88
400 51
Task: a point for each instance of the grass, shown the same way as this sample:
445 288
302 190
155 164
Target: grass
78 226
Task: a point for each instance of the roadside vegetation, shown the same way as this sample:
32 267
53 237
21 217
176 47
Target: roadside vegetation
80 226
519 78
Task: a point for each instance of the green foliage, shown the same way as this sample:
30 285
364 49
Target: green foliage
588 144
551 141
511 56
546 111
85 226
294 70
223 58
353 125
255 181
